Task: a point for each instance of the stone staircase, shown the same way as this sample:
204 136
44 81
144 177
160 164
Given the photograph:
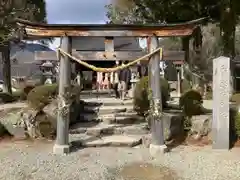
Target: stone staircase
106 121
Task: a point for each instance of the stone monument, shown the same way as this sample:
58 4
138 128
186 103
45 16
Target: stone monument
221 91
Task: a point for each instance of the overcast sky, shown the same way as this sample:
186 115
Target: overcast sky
76 12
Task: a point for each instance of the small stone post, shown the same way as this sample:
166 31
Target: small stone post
182 72
221 90
62 142
157 145
178 83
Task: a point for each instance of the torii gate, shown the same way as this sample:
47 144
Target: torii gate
109 31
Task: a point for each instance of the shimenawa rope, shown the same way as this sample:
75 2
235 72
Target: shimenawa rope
99 69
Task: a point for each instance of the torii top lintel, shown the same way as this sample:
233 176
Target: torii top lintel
109 30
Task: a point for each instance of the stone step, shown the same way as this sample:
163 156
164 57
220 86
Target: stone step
113 140
108 109
85 96
133 129
97 130
102 129
95 92
118 118
107 101
128 119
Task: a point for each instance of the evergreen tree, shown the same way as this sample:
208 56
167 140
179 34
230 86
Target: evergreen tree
33 10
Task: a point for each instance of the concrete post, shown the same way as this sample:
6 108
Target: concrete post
62 142
178 83
221 89
182 72
157 145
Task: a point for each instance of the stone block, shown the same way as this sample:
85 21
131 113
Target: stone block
14 124
134 129
101 129
173 124
156 150
201 125
61 149
146 140
114 140
221 93
108 119
122 140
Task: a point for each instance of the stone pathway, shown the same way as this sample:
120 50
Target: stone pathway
108 122
13 105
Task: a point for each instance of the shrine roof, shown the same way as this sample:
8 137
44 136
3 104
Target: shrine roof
104 30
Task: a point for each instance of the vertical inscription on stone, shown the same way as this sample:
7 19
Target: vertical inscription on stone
221 89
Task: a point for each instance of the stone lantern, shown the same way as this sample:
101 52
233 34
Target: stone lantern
134 79
179 69
47 69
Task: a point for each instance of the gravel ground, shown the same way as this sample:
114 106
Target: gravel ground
34 161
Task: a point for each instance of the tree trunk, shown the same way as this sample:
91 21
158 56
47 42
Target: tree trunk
228 27
185 47
6 68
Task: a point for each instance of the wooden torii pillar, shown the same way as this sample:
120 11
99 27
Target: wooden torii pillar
62 142
67 32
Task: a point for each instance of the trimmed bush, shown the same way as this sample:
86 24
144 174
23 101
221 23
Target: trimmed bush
191 102
142 94
6 97
19 95
237 124
40 96
28 88
235 98
25 91
209 95
185 86
15 96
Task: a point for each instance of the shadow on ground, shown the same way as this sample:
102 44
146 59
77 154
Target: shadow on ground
142 171
177 141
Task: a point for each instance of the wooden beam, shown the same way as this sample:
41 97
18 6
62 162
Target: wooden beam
109 56
108 30
137 33
109 44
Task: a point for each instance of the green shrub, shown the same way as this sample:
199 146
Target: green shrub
28 88
235 98
185 86
24 92
237 124
6 97
15 96
142 93
19 95
209 95
191 102
40 96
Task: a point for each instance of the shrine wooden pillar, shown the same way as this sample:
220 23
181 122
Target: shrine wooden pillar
185 47
157 145
62 141
197 45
